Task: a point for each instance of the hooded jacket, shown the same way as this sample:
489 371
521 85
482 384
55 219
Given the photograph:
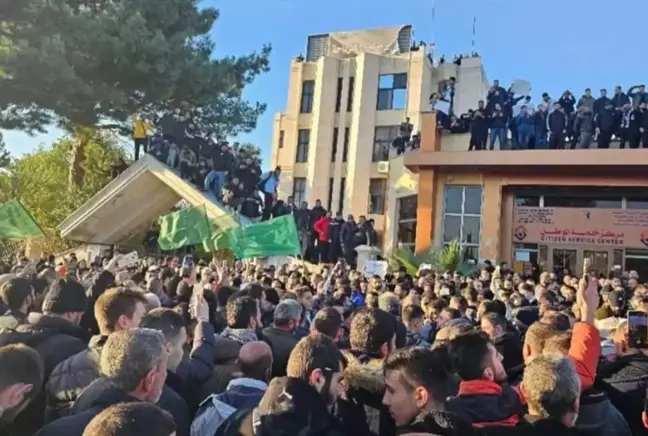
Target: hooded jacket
363 410
486 403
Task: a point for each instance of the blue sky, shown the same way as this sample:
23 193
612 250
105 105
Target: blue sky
555 44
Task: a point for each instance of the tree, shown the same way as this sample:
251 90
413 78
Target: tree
39 181
87 64
450 258
5 157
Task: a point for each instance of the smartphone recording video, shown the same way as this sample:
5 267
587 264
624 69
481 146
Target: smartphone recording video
638 329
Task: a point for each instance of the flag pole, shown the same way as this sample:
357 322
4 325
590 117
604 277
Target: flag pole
474 33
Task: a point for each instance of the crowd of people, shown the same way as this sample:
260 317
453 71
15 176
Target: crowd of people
516 122
230 172
172 347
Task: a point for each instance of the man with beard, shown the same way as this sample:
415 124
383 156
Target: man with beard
418 383
300 402
483 399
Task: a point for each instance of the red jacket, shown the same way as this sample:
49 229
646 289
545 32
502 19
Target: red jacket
321 226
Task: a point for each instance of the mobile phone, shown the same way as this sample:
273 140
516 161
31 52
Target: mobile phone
188 260
638 329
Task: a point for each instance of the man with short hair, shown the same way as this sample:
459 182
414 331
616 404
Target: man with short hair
328 322
280 336
17 295
483 398
244 392
508 343
133 367
185 375
115 310
418 384
372 338
243 318
414 319
552 389
132 419
21 378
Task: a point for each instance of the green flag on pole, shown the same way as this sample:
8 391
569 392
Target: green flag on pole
185 227
17 223
277 237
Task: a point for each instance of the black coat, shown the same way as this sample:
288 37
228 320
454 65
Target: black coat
55 339
282 343
625 383
86 408
439 423
71 377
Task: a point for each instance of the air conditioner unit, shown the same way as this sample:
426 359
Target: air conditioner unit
383 167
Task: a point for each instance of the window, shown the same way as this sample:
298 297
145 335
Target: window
303 138
407 221
281 138
599 203
636 203
462 218
350 96
307 97
383 138
330 195
377 196
336 131
345 149
338 98
528 201
342 189
392 92
299 189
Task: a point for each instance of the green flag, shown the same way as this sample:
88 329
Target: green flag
17 223
185 227
277 237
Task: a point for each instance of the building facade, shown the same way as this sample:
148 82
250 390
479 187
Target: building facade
346 101
554 208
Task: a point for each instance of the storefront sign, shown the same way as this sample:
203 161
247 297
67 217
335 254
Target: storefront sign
575 226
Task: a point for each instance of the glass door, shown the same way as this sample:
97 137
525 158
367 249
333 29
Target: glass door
598 260
564 259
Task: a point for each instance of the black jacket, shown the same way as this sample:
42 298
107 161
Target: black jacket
103 282
598 417
86 408
55 339
625 383
363 411
557 121
282 343
439 423
606 120
71 377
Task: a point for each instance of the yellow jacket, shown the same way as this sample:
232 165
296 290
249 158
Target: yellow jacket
141 127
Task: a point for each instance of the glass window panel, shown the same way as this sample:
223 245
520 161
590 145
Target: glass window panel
532 201
470 233
400 81
453 199
384 99
386 81
407 233
635 203
473 200
451 228
399 99
407 207
471 252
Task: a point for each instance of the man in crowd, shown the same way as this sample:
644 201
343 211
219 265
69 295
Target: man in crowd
134 366
299 401
280 336
115 310
557 124
17 295
132 419
21 378
268 187
244 392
